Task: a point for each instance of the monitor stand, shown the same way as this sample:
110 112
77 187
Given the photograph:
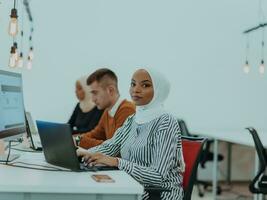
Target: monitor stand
12 157
3 155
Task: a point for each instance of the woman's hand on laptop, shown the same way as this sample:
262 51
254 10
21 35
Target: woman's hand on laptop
97 158
81 151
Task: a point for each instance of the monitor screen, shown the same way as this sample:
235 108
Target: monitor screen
12 117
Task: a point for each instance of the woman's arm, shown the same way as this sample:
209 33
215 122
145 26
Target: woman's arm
104 153
167 148
112 146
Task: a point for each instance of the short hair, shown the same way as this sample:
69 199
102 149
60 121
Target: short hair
104 76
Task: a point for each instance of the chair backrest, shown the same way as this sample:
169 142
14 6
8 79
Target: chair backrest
259 147
192 149
262 158
183 127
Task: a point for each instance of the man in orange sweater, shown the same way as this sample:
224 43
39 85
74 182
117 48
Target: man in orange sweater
105 94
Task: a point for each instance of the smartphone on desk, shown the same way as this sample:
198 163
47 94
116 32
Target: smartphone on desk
102 178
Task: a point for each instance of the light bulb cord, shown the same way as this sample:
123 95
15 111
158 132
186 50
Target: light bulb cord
247 47
261 13
262 44
22 29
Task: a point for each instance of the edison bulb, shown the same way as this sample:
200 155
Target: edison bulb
13 27
246 68
16 55
261 68
20 61
29 63
31 55
12 60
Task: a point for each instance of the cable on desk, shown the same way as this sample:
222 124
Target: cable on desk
19 140
46 168
9 150
18 143
31 151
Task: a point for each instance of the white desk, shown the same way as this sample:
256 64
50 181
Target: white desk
18 183
241 136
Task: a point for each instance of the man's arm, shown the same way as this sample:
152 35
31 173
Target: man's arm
95 136
125 110
122 115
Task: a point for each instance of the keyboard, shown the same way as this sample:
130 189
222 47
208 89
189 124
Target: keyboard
97 168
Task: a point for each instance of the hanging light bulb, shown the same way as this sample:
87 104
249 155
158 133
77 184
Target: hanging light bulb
246 68
29 63
12 58
13 24
261 67
16 51
20 60
31 55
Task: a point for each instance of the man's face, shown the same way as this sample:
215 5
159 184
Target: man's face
100 95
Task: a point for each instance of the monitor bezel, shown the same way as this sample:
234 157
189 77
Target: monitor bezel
17 132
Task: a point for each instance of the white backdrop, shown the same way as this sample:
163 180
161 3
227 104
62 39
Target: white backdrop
199 45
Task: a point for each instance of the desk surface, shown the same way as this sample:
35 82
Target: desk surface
22 180
241 136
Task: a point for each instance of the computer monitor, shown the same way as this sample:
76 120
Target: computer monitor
12 116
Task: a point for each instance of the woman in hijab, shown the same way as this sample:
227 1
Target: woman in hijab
85 115
149 142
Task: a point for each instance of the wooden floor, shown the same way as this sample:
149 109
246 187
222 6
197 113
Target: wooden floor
235 191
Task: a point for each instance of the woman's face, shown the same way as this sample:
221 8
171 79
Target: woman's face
79 91
141 89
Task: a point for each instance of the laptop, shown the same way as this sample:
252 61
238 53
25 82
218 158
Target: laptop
59 148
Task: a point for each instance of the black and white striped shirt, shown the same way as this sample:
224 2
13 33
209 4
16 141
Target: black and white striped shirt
151 153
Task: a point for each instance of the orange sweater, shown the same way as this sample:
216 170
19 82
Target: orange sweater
107 125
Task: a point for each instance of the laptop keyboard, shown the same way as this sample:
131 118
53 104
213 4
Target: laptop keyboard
96 168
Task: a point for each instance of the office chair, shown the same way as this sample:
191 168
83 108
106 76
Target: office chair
207 155
259 183
192 149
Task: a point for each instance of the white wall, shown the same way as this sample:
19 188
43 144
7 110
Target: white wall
199 45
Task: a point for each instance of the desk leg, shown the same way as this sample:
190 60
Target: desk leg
215 169
229 162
